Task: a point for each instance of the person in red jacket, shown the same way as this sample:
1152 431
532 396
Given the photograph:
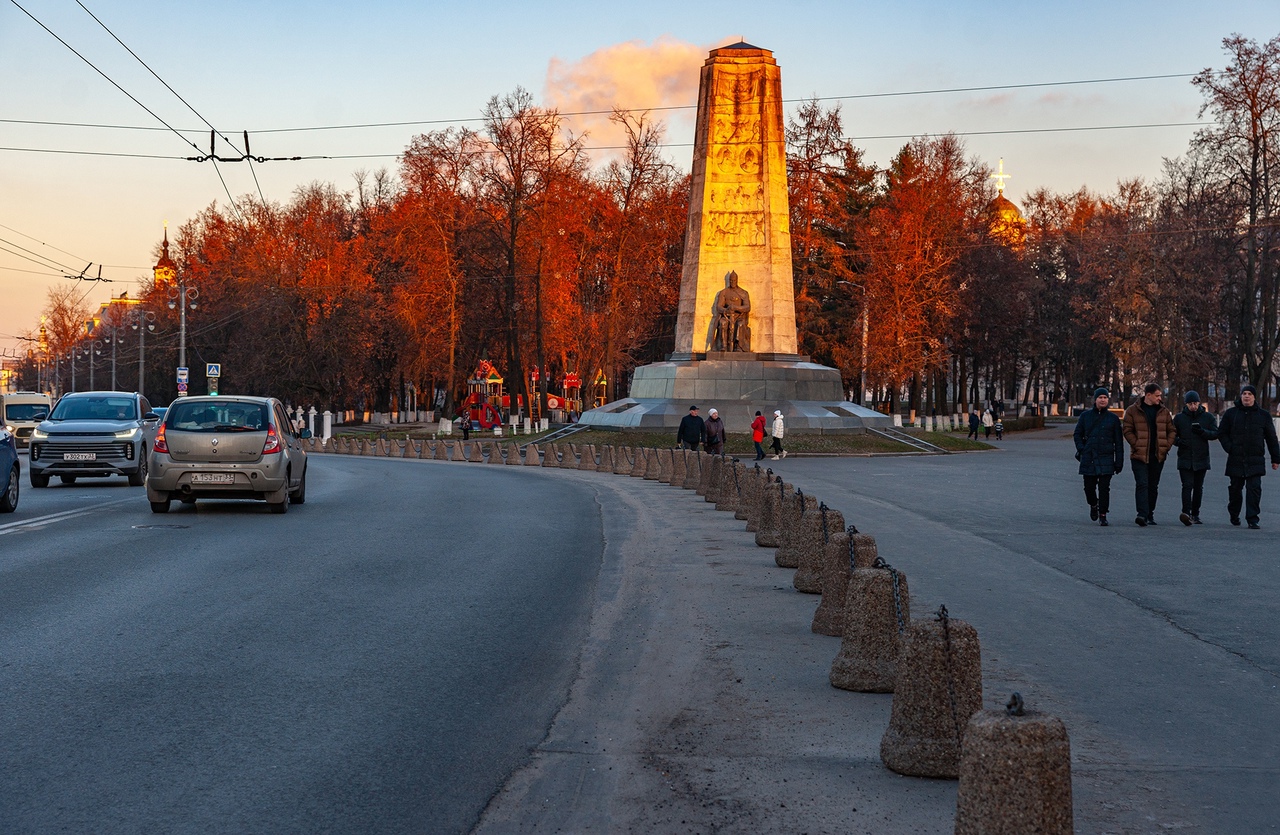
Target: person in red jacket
757 435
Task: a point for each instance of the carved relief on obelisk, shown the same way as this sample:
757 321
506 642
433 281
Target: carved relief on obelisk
738 219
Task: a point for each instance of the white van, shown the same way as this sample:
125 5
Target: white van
22 411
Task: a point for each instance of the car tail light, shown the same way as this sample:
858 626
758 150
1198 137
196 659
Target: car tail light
160 444
273 441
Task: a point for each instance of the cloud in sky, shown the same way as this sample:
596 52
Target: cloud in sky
634 75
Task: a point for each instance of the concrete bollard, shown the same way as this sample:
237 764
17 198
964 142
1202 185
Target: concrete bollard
679 464
1015 774
622 460
770 511
692 471
814 534
513 454
568 456
749 499
587 461
712 476
793 506
706 474
495 452
877 610
551 455
666 460
424 450
939 687
477 454
639 462
652 465
606 459
844 553
531 456
440 453
731 475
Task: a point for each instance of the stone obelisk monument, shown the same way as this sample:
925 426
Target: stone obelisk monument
735 345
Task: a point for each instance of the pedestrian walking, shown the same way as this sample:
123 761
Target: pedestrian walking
757 435
692 430
464 423
1100 451
999 427
779 429
988 421
714 432
1148 428
1195 429
1247 434
975 422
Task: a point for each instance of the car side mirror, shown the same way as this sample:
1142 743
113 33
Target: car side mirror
150 416
304 434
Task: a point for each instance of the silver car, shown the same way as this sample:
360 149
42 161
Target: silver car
93 434
227 448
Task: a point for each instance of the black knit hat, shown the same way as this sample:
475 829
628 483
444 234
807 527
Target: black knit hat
1192 396
1249 388
1101 391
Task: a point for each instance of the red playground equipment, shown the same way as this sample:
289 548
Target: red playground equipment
484 391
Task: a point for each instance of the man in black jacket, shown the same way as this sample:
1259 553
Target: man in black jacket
691 431
1100 451
1247 434
1195 428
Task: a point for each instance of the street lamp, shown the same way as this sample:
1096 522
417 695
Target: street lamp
142 321
181 297
90 349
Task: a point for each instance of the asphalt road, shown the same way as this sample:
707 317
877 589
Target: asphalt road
377 660
435 646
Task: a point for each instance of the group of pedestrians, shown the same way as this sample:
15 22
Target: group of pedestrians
1247 434
987 420
711 433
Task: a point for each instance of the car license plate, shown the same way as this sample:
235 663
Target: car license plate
79 456
213 478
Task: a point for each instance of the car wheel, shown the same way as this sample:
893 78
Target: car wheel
9 499
160 507
39 480
139 477
67 479
300 495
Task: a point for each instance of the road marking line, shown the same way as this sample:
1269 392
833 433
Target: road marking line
41 521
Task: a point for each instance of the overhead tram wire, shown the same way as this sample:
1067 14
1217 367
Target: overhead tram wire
132 98
168 87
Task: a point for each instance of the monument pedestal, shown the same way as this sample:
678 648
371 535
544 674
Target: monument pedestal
810 396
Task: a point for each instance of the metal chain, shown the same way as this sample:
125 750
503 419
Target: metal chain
800 498
951 682
893 576
782 491
826 537
736 485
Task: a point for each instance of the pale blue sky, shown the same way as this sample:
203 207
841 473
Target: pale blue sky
260 66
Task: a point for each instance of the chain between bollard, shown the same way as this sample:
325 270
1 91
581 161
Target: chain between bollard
951 683
893 576
825 536
782 491
1015 706
800 498
736 486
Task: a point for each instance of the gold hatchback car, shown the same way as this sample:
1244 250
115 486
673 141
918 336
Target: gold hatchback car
227 448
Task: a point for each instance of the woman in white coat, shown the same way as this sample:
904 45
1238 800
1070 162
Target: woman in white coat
779 429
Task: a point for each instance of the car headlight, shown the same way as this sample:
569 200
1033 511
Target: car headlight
8 429
39 433
127 435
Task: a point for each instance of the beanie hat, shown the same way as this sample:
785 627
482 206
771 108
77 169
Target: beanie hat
1191 397
777 414
1101 391
1249 388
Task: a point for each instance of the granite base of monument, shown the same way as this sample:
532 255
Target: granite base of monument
810 396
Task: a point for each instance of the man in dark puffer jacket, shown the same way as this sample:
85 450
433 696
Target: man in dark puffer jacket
1196 428
1247 434
1100 451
